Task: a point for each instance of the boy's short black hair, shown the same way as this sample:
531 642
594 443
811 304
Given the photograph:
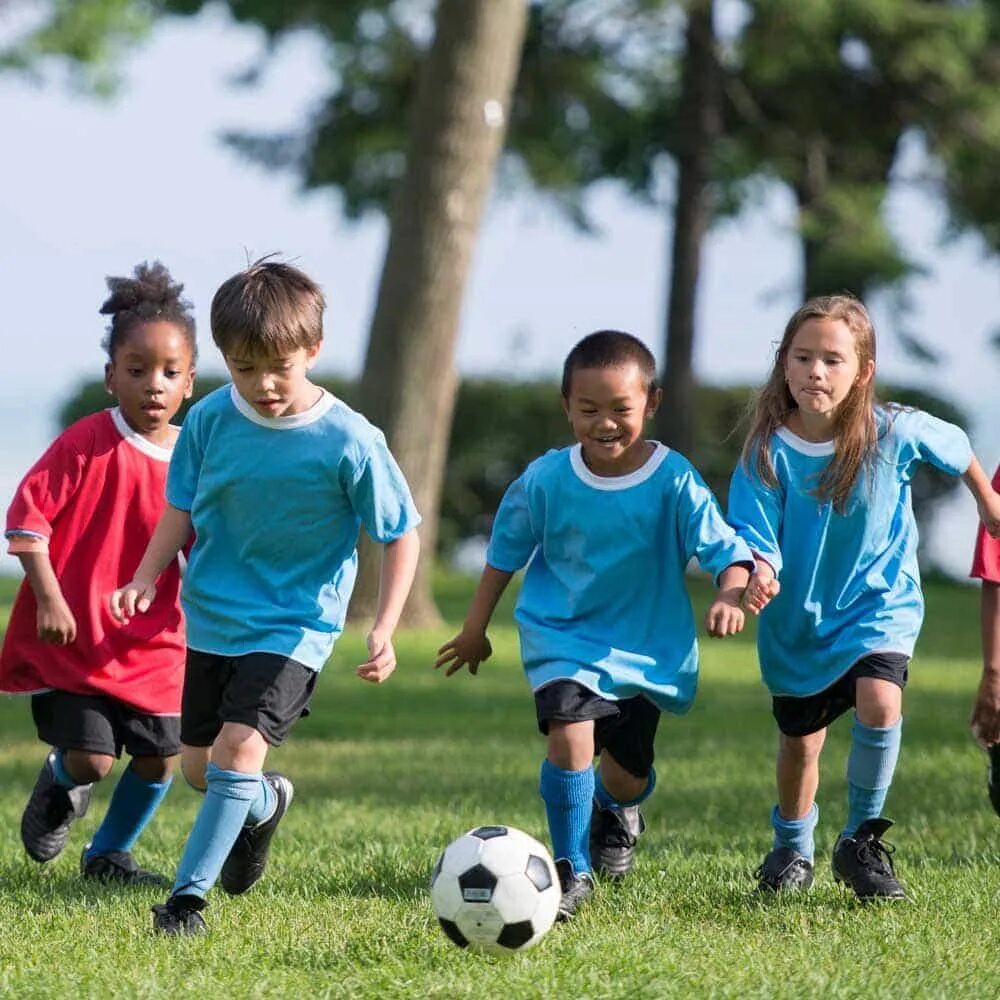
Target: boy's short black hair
269 308
609 349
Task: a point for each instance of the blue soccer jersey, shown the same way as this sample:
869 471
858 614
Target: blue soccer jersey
850 585
276 505
604 601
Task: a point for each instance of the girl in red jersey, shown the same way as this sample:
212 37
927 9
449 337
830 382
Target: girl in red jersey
79 523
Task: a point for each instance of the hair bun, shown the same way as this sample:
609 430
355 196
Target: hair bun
150 290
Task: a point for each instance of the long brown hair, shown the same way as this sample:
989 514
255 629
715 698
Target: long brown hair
855 433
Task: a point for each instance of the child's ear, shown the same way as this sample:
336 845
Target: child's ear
108 372
189 389
866 374
565 406
653 402
312 353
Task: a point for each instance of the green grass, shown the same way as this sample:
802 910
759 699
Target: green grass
385 777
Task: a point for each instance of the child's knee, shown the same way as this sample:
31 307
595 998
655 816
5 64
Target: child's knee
86 767
571 744
194 761
802 748
878 702
155 770
239 748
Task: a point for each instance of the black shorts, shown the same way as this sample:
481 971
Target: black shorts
802 716
265 691
99 724
625 728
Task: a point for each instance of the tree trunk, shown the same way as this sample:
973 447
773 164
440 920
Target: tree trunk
699 119
409 381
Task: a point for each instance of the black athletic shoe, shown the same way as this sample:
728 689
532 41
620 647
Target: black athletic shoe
118 867
49 813
576 889
864 862
784 870
248 857
613 833
180 915
993 780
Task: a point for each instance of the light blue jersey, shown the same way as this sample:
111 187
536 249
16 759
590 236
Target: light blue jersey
276 505
604 601
849 582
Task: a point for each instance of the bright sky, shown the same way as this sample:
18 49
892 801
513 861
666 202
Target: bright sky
92 188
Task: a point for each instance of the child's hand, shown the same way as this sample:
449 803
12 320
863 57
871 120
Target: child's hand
466 649
55 621
760 590
131 600
989 512
985 721
381 660
725 616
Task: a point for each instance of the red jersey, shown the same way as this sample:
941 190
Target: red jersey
986 558
95 497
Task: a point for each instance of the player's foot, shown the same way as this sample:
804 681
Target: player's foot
784 870
49 813
118 867
993 779
248 857
180 915
576 889
613 833
864 862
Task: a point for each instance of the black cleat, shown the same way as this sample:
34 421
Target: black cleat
248 857
120 868
993 779
49 813
784 870
613 833
576 889
180 915
864 862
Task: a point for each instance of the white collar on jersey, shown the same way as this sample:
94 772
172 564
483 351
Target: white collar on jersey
814 448
135 439
640 475
310 416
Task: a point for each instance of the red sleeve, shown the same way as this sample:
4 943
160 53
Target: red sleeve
47 487
986 558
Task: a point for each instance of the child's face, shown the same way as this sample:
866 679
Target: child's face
275 385
607 408
151 373
822 367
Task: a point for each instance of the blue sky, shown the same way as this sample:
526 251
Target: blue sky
91 188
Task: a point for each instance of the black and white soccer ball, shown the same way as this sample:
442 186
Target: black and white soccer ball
495 889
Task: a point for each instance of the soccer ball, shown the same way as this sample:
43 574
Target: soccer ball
495 889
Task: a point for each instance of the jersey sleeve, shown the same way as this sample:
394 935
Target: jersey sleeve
380 496
512 541
185 465
705 534
45 490
986 557
924 438
755 511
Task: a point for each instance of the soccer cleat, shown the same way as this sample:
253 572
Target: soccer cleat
180 915
49 812
576 889
784 870
248 857
613 833
118 867
864 862
993 779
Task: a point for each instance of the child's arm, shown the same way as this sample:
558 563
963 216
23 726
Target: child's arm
987 499
725 615
171 534
985 721
399 564
471 646
54 620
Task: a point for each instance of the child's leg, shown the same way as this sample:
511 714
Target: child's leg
794 818
567 788
194 765
615 787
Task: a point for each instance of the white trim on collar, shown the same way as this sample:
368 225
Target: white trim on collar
640 475
290 423
156 451
814 448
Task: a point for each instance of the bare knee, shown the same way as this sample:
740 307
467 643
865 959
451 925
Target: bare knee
878 702
571 745
86 767
155 770
239 748
802 749
194 761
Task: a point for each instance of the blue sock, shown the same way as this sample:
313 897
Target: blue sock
59 771
568 796
216 827
263 806
607 801
796 834
132 806
870 767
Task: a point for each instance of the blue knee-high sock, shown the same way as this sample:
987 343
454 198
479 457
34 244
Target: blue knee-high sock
607 801
567 796
796 834
132 806
216 827
263 806
870 767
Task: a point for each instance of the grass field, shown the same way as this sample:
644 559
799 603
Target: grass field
385 777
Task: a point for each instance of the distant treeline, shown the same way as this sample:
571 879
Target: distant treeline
500 426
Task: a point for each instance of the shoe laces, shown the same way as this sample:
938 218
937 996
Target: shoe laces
876 855
615 833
